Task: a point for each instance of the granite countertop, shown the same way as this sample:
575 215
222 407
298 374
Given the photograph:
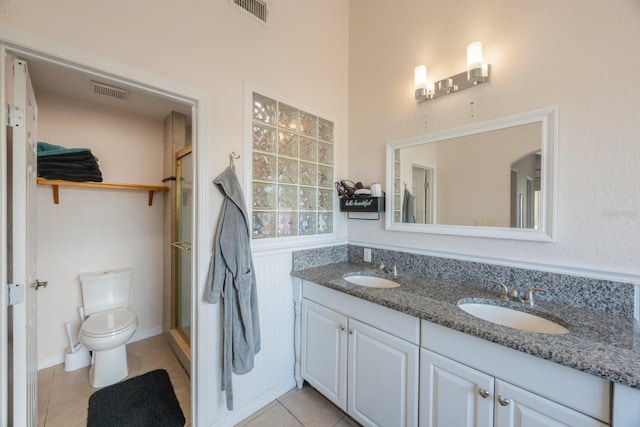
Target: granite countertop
601 344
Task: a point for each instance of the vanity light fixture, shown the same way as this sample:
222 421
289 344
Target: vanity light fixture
477 72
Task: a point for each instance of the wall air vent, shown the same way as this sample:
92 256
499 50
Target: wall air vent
108 90
257 8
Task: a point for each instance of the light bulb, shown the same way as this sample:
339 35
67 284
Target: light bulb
420 78
474 56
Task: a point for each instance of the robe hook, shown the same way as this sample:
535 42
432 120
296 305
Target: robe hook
232 156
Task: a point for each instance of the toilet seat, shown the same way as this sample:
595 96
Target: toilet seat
108 323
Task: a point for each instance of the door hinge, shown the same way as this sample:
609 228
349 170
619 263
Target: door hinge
15 293
15 116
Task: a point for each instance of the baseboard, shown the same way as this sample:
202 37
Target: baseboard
138 336
235 417
147 333
50 361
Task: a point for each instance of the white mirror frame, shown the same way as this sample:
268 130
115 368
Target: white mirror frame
548 117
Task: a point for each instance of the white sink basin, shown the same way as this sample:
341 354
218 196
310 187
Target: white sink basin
513 319
371 281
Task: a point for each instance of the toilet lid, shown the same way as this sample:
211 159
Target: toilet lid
108 322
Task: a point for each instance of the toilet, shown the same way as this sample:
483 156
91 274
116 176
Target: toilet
109 325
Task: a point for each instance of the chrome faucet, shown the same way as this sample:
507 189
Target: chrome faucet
513 294
504 292
528 296
382 267
507 294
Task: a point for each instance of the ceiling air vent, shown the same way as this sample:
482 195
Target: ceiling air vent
108 90
257 8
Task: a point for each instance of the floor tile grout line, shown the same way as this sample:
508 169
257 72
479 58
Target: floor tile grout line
303 425
340 419
49 391
291 413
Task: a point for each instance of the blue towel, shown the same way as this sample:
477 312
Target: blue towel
45 149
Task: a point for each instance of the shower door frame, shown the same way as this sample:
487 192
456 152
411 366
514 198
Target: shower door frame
179 341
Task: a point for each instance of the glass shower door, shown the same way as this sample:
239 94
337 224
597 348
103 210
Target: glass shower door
182 244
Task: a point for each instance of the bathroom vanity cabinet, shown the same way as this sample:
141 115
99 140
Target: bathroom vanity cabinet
483 384
453 394
361 356
364 357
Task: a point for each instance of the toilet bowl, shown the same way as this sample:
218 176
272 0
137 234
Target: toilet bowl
109 326
105 333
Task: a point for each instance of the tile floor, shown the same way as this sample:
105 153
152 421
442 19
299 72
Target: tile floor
299 408
63 397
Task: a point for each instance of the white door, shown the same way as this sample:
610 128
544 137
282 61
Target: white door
452 394
21 318
418 189
421 187
383 378
516 407
324 351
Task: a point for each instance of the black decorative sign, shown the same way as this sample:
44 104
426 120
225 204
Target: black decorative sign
362 204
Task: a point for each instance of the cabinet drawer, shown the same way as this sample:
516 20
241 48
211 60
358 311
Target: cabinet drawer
583 392
399 324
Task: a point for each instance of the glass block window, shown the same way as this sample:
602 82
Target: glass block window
292 173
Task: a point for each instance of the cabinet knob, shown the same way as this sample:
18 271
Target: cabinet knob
503 401
483 393
342 328
350 331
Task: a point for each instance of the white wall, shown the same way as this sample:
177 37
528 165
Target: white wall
92 230
543 53
208 46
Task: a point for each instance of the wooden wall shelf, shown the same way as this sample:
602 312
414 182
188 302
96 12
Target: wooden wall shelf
55 184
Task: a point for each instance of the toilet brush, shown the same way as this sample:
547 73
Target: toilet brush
72 348
77 355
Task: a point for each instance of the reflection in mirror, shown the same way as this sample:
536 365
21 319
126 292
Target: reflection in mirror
492 179
525 191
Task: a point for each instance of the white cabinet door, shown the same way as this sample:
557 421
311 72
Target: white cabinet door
452 394
324 351
516 407
383 378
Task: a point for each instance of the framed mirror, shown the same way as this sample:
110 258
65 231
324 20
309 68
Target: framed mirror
492 179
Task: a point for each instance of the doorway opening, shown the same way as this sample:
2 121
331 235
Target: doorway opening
422 189
55 77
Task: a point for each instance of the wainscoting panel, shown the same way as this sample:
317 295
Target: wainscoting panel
274 363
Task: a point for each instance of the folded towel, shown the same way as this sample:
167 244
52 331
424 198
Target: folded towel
68 157
45 149
71 176
69 164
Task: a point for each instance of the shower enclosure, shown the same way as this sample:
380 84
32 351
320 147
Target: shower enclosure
181 257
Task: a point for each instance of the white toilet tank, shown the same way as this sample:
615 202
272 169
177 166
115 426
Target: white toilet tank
105 290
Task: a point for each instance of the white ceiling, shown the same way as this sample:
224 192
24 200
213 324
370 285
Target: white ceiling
55 78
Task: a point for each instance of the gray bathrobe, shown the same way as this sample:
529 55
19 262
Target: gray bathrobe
408 207
231 275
